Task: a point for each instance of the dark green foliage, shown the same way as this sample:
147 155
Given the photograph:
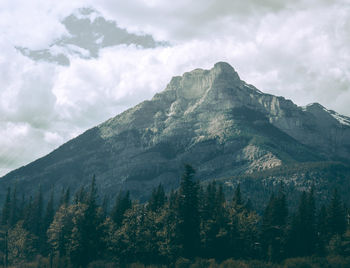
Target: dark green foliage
325 176
122 204
302 235
60 230
184 229
105 205
22 244
187 212
48 218
336 222
37 214
80 196
49 213
157 199
87 243
21 207
274 226
237 198
15 213
28 215
215 220
6 209
322 231
65 197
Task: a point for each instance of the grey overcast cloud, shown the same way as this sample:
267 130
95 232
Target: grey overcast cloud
66 66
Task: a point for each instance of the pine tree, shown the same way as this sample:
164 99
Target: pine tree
80 196
122 204
6 209
248 229
105 205
87 241
336 221
188 225
126 236
37 215
47 220
310 222
65 197
21 245
302 237
322 231
21 208
49 213
157 199
208 224
28 218
237 199
150 236
214 223
208 202
14 216
59 232
170 248
274 226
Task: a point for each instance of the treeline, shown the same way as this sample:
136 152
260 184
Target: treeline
190 226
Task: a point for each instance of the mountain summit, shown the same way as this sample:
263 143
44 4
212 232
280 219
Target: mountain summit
209 118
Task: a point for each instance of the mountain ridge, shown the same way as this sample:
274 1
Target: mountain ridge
209 118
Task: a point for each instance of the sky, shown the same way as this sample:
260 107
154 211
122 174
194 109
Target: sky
66 66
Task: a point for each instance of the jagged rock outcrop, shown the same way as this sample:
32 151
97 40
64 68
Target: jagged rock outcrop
209 118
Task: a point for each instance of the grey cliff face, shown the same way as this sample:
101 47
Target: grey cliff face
208 118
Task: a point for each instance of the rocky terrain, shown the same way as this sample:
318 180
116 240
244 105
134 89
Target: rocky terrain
211 119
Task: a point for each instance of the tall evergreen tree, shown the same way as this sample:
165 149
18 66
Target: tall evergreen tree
105 205
311 231
87 240
214 223
237 199
274 226
49 212
208 202
322 231
28 215
302 236
80 196
65 197
336 220
122 204
37 214
21 208
157 199
60 230
6 209
188 224
14 215
47 220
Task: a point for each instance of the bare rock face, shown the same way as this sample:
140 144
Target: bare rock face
208 118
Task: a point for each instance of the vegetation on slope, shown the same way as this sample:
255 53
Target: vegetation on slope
194 226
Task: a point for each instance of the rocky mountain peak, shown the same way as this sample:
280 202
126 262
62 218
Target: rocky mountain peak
225 70
194 84
327 116
314 106
209 118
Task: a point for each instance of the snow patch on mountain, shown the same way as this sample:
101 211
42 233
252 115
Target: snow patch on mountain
341 118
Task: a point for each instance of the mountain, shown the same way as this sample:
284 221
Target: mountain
211 119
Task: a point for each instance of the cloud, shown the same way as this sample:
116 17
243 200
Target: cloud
297 49
87 33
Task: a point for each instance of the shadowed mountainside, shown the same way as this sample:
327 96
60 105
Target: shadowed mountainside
210 118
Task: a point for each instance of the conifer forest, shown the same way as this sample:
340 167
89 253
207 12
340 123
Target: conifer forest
193 226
